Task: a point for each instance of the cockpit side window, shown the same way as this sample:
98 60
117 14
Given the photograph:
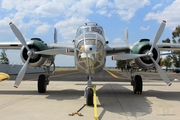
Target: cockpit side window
97 29
82 30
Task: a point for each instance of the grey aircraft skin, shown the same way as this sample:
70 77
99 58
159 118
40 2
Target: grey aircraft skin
90 49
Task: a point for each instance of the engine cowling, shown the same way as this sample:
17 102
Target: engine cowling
37 60
142 47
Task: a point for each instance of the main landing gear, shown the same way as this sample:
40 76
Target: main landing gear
137 83
43 81
89 92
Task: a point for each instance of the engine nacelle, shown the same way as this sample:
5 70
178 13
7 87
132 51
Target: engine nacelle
37 60
142 47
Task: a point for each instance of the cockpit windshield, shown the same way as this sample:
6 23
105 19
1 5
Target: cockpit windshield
90 27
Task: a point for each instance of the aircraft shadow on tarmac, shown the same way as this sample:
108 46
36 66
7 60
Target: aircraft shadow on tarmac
114 98
123 101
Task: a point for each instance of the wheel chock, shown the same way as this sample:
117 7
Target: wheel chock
138 92
95 103
78 112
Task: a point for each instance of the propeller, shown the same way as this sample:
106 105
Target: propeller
21 74
18 35
22 40
149 54
158 34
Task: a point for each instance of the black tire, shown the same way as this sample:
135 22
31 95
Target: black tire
89 97
42 83
138 84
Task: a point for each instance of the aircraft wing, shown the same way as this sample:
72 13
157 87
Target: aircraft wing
168 46
68 49
117 49
54 49
10 45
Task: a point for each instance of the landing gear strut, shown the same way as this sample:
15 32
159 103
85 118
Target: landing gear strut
89 92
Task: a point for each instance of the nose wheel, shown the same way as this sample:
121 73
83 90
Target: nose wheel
89 92
89 96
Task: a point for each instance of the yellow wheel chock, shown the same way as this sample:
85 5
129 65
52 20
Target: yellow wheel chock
78 112
95 104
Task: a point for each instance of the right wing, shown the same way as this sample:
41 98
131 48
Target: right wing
168 46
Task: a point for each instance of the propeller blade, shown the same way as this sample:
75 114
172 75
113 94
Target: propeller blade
18 35
161 73
21 74
51 52
127 56
158 34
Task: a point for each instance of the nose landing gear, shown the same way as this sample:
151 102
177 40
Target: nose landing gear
88 93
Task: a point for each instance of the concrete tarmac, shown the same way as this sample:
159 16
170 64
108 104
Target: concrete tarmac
115 99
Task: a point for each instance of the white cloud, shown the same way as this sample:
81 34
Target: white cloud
68 27
157 6
144 28
118 40
42 29
170 14
80 8
127 9
54 8
105 12
28 14
103 3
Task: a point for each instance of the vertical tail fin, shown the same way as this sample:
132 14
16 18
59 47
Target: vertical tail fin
55 35
126 36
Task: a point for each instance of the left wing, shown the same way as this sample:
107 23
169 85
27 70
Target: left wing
10 45
117 49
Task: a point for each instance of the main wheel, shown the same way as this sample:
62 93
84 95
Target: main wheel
42 83
137 84
89 97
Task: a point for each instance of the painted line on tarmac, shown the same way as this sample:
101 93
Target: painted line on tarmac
54 76
117 77
112 74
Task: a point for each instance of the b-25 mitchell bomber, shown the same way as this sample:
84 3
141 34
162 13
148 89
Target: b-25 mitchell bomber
90 49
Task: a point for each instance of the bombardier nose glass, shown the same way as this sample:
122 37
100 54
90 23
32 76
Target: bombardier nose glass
90 51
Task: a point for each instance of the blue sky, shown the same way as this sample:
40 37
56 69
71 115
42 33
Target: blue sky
37 18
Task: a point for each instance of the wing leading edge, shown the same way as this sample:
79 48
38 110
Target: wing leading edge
117 49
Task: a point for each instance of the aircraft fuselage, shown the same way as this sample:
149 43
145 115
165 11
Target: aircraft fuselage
90 54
